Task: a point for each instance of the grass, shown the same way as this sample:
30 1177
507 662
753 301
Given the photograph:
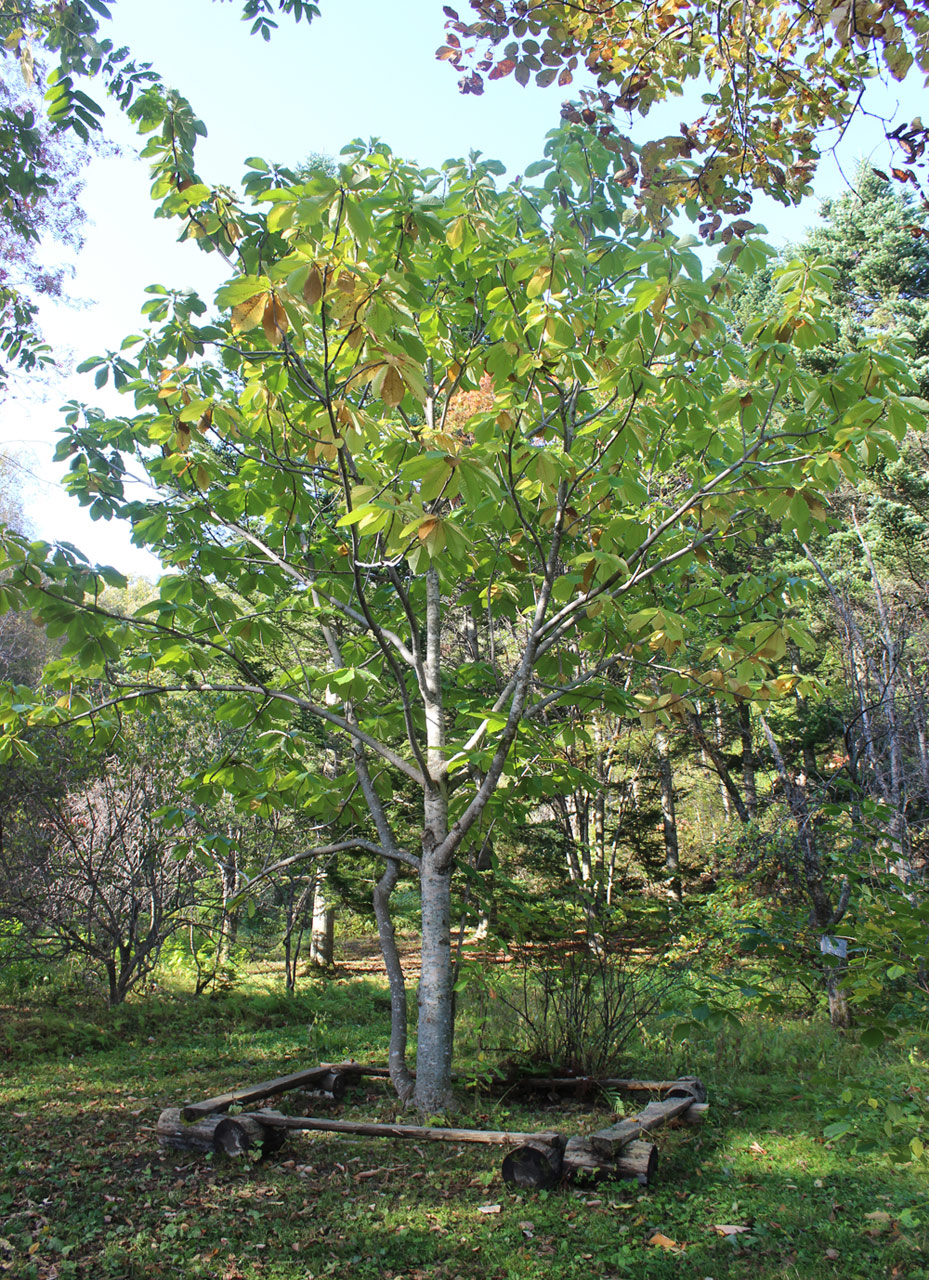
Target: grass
85 1191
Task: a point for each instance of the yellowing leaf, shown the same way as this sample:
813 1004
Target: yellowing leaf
249 313
274 321
313 289
662 1241
426 528
393 388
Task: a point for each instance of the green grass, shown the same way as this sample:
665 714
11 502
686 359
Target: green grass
85 1191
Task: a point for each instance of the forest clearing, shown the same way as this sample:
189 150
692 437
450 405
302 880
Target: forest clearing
757 1190
472 820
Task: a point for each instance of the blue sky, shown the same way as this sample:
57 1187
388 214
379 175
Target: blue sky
365 68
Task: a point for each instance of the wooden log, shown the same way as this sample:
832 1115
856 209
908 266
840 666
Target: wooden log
535 1164
331 1088
266 1089
237 1135
623 1085
173 1132
610 1142
416 1132
638 1160
695 1114
689 1083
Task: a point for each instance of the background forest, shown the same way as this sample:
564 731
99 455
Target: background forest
543 626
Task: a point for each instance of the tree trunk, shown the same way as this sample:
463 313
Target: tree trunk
322 936
748 761
719 764
668 814
433 1092
840 1016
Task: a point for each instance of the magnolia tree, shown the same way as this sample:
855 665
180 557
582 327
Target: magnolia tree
449 456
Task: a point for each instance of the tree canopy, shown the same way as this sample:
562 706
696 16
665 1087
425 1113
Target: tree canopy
779 84
428 397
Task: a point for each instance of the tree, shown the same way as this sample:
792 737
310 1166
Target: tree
54 47
86 868
779 83
330 535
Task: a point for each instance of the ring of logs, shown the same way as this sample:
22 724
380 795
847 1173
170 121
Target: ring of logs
537 1160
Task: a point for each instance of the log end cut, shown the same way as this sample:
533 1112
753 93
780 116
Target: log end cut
535 1165
239 1135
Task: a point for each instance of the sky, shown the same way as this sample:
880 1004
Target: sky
364 68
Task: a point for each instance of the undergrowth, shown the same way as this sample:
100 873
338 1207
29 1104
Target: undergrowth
759 1192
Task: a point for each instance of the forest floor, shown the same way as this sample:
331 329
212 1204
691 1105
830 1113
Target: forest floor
85 1191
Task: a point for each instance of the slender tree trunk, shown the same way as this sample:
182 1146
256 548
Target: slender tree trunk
668 813
400 1075
435 1032
322 934
749 788
719 764
720 742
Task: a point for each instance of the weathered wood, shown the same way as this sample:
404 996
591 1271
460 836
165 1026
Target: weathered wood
173 1132
588 1083
695 1114
638 1160
610 1142
420 1133
330 1088
687 1084
266 1089
535 1164
237 1135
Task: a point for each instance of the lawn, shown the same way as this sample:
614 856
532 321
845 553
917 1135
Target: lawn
86 1192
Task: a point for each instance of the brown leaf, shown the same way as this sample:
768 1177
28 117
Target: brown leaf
313 289
274 321
249 313
726 1229
393 388
504 68
662 1241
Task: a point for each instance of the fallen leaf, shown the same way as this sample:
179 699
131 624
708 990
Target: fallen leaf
878 1215
832 1254
488 1208
663 1242
726 1229
758 1149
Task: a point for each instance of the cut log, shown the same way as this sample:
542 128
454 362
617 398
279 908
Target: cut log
173 1132
237 1135
331 1088
419 1133
534 1164
267 1089
610 1142
638 1160
695 1114
690 1084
